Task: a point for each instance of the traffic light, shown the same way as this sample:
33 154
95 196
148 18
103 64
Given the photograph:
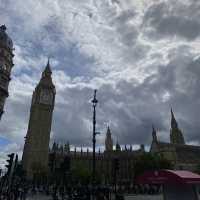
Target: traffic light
116 164
10 162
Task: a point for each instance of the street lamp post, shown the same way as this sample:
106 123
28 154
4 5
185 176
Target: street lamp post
94 104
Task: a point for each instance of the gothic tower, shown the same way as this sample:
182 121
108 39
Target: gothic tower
108 141
176 136
35 154
154 134
6 64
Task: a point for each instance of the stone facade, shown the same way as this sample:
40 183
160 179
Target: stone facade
104 160
6 65
181 155
36 148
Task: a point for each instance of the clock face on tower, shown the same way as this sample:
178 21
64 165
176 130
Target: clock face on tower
46 97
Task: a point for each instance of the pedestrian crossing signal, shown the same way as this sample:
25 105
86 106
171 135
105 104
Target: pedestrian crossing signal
10 162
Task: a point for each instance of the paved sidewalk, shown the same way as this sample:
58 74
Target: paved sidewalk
128 197
143 197
39 197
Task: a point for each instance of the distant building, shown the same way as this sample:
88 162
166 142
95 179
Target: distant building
36 148
104 160
181 155
6 65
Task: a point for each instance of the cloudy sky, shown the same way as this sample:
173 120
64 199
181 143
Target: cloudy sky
142 56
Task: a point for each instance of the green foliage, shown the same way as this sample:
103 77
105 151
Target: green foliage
148 161
81 174
198 169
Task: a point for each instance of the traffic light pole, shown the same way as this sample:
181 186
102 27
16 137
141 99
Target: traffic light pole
116 170
115 182
10 167
94 102
94 146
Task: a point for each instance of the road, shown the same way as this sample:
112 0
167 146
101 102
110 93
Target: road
129 197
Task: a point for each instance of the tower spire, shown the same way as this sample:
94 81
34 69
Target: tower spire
174 123
108 131
176 136
108 140
46 78
47 71
154 134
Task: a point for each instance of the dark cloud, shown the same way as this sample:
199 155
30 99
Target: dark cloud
127 31
168 19
73 114
14 122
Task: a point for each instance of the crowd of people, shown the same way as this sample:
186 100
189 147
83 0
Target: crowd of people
55 192
18 188
15 193
22 192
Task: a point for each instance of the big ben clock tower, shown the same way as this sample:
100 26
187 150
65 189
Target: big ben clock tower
35 154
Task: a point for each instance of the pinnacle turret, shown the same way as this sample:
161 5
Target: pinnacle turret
5 40
174 123
154 134
67 147
3 27
118 148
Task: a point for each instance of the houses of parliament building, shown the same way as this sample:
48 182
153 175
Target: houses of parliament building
36 151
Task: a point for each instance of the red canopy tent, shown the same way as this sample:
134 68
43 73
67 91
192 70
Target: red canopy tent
169 177
177 185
